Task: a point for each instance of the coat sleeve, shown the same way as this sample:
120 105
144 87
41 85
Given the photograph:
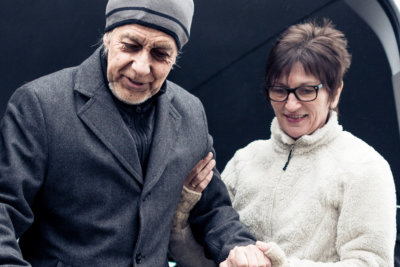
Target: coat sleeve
22 168
214 222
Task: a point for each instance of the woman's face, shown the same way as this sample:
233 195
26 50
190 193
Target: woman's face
298 118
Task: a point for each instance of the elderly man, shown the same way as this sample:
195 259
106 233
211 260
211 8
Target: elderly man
94 157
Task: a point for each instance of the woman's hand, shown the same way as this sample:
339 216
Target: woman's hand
196 181
250 255
201 174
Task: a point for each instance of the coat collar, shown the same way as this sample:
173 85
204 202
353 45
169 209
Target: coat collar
102 117
89 79
166 127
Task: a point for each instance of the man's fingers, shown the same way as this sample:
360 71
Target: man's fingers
250 255
260 257
255 257
236 258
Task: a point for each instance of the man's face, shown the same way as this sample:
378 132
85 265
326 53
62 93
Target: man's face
139 60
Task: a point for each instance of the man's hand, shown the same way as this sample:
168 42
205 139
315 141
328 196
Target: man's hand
249 256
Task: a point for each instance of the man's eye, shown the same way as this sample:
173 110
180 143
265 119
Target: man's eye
131 47
159 55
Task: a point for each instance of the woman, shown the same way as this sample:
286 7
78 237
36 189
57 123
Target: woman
319 195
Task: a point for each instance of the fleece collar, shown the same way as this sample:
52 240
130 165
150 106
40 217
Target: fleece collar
322 136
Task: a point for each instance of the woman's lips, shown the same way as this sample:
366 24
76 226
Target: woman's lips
294 118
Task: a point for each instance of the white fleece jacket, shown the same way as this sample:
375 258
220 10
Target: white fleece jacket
333 205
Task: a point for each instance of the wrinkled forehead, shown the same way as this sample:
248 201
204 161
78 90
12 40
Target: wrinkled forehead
140 35
145 36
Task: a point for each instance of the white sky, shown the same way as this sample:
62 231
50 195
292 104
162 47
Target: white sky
397 2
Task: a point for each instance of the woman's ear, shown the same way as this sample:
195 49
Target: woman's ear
336 97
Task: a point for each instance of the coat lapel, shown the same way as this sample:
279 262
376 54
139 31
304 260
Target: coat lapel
167 123
101 115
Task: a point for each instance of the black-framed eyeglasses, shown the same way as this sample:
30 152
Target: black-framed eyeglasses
304 93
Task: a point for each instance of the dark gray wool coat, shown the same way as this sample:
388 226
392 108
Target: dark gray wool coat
70 181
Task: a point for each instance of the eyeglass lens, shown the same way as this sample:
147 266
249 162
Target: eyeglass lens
303 93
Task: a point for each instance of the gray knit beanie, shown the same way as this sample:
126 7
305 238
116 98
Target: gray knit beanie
174 17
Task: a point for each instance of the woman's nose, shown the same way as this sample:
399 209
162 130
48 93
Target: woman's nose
292 103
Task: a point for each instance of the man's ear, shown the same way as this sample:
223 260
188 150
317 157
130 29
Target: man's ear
106 39
336 97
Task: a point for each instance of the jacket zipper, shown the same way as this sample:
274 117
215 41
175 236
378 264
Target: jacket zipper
289 157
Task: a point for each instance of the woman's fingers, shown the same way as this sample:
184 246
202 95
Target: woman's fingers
201 174
203 184
200 165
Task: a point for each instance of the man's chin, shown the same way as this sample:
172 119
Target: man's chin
133 101
130 99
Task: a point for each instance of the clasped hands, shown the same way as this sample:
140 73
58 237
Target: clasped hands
244 256
249 256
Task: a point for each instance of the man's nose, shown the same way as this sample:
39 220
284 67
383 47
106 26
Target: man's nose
292 103
141 63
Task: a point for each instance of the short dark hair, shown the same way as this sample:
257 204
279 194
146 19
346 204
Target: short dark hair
321 50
